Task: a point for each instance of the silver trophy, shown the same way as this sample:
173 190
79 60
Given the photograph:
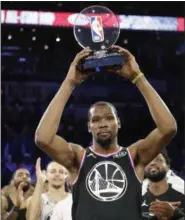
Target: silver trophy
97 27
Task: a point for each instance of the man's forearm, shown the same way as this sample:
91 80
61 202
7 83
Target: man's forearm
158 109
13 214
34 207
49 123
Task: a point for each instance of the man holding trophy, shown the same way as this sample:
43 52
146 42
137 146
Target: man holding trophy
106 177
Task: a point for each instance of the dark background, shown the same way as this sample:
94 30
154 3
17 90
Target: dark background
158 54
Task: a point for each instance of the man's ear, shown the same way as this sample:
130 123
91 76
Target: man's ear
88 126
168 167
119 123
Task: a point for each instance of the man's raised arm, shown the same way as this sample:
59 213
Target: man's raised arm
145 150
46 134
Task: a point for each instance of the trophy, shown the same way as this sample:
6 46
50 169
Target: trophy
97 27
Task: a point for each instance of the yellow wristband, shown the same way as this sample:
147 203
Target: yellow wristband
137 77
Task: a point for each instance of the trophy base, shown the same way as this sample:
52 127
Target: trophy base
102 60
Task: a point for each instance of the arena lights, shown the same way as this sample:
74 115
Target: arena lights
66 19
59 4
125 41
58 39
46 47
33 38
9 37
22 60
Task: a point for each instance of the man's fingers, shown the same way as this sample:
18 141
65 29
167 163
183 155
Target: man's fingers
38 164
20 191
87 49
161 203
175 203
158 212
117 47
80 56
113 70
124 51
156 202
84 51
44 173
21 185
157 207
21 194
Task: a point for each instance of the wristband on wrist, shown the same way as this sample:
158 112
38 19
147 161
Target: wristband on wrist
137 77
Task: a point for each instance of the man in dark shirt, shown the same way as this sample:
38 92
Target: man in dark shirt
105 177
14 204
161 201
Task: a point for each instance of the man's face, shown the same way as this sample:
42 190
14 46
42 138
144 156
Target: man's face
56 175
157 169
103 124
22 175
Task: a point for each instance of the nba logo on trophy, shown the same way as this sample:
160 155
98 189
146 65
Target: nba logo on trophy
99 32
96 29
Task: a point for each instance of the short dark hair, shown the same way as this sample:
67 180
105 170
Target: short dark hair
14 173
50 162
102 103
166 157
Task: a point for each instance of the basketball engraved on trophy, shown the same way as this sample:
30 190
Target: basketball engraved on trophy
97 27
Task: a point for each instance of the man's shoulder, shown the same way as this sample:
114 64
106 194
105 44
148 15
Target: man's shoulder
172 175
177 194
176 182
66 201
8 189
77 149
3 199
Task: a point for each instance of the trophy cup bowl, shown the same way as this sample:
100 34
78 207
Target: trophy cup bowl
97 27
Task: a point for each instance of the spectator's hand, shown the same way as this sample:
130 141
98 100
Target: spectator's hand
163 210
20 195
175 204
41 175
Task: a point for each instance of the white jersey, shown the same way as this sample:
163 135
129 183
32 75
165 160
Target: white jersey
177 183
48 205
62 210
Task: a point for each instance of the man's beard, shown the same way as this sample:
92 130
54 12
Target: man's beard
25 188
105 143
156 177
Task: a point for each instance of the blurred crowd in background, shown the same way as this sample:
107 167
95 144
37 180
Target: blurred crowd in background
32 73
